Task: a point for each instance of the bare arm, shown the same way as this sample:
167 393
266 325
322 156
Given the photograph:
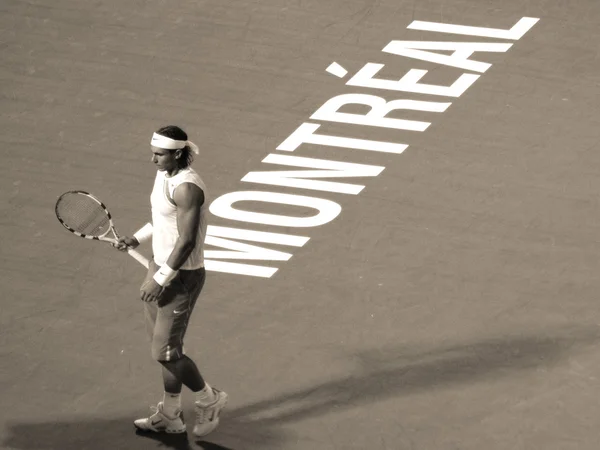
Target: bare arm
189 199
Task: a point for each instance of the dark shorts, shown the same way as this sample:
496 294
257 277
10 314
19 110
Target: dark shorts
167 321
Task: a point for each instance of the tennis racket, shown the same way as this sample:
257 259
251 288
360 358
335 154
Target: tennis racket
85 216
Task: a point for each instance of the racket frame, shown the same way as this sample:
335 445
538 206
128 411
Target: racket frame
103 237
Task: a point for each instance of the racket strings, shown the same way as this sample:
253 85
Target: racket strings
83 215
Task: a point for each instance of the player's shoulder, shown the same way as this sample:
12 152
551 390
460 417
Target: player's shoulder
194 177
190 180
188 193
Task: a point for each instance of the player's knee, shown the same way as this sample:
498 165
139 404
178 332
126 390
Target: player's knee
166 359
166 354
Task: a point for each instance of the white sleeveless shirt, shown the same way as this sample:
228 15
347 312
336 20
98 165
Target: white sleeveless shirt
164 218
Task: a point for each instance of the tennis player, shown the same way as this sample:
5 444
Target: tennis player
174 281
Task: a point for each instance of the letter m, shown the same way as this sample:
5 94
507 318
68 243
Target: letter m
223 237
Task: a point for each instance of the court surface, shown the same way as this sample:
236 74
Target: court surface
452 304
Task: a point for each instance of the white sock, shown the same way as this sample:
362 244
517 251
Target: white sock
206 396
171 404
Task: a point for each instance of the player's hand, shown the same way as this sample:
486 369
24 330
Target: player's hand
125 242
150 291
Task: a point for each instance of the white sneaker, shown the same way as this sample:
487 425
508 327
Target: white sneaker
207 416
159 423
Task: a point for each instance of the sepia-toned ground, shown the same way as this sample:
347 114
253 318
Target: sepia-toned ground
453 303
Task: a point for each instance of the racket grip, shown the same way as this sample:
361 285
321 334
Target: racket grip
139 257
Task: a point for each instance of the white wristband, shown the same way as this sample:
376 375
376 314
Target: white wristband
144 234
164 275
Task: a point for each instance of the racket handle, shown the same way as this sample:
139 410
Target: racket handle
139 257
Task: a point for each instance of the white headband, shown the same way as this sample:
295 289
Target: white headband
161 141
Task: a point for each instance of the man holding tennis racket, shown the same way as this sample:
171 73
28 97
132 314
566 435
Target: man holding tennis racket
174 281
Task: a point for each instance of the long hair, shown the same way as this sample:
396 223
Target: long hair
174 132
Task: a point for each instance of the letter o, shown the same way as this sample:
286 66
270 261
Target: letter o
223 207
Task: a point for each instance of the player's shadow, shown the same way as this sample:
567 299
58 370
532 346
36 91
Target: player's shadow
393 372
180 442
380 374
168 441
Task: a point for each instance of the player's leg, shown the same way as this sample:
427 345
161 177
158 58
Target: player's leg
181 371
168 416
161 421
175 314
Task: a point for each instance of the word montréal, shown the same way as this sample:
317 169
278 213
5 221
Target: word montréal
234 241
